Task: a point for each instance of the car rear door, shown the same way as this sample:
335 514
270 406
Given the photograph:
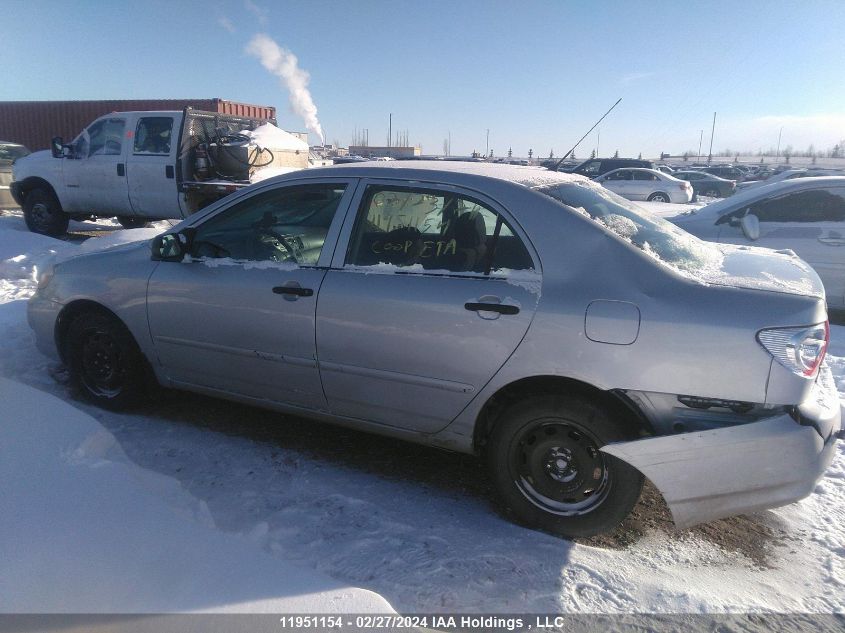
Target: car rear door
430 291
237 315
151 167
810 222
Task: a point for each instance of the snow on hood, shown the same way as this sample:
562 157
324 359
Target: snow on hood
269 136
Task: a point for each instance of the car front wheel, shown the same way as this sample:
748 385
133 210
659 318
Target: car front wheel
104 362
544 458
43 213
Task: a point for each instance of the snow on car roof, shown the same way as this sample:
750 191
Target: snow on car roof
529 176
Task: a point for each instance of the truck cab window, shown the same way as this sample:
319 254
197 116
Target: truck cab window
104 137
152 136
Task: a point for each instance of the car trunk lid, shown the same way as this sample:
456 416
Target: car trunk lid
764 269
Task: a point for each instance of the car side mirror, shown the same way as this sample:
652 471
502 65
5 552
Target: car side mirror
750 225
57 147
170 247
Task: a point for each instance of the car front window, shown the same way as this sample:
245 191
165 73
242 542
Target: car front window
658 238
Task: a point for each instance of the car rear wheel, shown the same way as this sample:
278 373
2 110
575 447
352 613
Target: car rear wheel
43 213
712 193
104 362
659 197
129 222
544 458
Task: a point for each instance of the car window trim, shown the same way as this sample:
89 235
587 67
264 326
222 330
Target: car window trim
342 245
330 243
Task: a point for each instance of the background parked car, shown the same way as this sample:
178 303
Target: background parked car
647 184
805 215
707 185
789 174
9 153
726 171
593 167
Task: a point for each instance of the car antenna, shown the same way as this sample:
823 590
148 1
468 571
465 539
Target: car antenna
557 164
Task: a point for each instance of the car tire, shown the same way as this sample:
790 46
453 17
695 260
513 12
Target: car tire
712 193
659 196
544 460
129 222
43 213
104 362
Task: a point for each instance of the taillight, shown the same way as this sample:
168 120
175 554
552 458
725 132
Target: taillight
799 349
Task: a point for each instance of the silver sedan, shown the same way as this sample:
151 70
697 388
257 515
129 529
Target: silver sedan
638 183
573 341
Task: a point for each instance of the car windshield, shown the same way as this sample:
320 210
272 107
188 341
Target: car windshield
657 237
12 152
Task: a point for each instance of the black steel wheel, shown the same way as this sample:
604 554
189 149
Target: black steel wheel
43 213
104 361
544 457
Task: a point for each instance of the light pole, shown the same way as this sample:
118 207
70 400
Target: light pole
700 138
487 143
777 151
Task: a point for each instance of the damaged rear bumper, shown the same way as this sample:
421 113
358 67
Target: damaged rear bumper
713 474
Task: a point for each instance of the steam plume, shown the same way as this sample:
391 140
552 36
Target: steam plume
285 66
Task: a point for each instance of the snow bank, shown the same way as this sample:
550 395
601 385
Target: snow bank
84 530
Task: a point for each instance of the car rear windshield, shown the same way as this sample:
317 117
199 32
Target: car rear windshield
661 239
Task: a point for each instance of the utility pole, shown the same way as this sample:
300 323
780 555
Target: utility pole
598 139
389 132
712 131
700 138
487 144
449 145
777 152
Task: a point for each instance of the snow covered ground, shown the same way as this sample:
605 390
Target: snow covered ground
339 510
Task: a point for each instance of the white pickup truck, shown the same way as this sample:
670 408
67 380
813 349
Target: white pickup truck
144 166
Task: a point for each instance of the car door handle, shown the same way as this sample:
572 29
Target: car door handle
121 169
832 241
501 308
168 171
293 290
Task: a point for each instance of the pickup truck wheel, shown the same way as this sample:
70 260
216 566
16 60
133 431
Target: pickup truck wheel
128 222
43 213
104 362
543 456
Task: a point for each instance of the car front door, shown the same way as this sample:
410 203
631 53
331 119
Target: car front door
430 291
620 181
237 315
151 168
100 170
810 222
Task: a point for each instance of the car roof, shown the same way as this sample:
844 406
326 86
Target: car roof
529 176
772 190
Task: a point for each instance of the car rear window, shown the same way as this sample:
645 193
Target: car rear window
658 238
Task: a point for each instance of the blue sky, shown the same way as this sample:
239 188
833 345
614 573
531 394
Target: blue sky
536 74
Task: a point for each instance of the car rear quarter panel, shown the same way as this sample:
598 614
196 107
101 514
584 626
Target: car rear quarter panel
694 339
